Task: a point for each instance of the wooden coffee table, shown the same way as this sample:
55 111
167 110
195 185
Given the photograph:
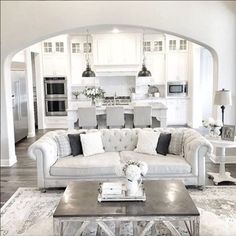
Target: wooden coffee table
167 201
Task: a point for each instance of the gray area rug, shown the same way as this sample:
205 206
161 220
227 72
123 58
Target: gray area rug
29 213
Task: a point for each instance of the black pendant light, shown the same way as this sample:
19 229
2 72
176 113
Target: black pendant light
144 72
88 72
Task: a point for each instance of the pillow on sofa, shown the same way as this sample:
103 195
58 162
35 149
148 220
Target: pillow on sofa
176 143
147 142
91 143
63 145
163 143
75 144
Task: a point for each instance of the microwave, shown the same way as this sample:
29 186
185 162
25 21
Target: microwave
55 87
177 88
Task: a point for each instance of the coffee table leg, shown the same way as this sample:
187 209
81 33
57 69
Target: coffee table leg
57 227
196 225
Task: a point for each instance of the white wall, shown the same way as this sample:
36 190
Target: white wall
26 22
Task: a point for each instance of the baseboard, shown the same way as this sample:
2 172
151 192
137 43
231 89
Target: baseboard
8 162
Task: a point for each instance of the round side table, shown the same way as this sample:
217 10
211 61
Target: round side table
222 175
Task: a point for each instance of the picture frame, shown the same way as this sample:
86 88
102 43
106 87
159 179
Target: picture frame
228 132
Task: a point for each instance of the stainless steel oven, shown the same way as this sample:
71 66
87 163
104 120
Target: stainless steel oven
56 106
177 88
55 87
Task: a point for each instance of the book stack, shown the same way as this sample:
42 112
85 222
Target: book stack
112 190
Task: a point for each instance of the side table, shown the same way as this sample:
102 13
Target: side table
222 175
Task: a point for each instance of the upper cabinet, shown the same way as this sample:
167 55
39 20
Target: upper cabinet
55 56
117 49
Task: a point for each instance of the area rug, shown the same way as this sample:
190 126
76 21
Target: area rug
29 213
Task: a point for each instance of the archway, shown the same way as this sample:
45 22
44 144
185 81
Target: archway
6 68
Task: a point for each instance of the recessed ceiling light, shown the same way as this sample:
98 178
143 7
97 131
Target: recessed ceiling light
115 31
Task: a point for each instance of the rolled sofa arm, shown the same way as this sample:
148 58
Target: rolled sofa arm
196 148
44 151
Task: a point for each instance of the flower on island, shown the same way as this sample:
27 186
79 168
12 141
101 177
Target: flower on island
134 170
93 92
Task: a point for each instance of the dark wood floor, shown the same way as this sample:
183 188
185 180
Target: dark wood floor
23 173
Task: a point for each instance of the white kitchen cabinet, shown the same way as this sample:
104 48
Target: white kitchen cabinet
177 66
155 63
177 113
55 56
54 65
117 49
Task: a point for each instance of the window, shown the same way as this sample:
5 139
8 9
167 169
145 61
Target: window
87 47
182 44
59 47
75 47
172 44
47 47
147 46
158 46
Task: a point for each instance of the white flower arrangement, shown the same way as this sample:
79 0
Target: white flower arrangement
92 92
214 126
134 170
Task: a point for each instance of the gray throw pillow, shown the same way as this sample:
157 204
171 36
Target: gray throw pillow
63 144
176 143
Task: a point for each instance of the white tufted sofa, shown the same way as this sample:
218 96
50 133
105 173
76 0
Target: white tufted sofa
119 145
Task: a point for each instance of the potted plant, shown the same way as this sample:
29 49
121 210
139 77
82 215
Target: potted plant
94 93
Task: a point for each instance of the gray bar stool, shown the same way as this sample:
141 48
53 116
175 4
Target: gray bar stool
115 116
142 116
87 117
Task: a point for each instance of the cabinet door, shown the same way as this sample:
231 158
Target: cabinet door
177 66
77 67
60 65
123 49
177 113
156 64
48 65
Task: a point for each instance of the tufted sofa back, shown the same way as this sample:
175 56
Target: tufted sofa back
116 140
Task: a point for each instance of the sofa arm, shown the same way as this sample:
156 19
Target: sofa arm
44 151
196 148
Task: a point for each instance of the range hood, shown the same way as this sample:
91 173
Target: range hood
116 71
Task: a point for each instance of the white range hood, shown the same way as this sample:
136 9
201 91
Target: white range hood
116 71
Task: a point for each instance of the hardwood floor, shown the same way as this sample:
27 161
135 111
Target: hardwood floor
24 173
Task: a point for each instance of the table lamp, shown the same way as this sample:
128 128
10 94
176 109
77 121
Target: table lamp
223 98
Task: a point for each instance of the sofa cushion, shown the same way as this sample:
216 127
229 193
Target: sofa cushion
97 165
163 143
75 144
158 164
147 142
176 143
63 145
91 143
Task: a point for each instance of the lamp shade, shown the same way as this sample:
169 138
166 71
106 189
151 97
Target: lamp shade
223 97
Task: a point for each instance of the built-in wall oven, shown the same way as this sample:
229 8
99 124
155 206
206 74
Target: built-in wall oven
55 96
56 106
55 87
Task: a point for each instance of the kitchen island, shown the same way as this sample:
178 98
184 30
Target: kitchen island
159 111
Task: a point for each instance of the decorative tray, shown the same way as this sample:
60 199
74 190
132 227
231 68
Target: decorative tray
124 196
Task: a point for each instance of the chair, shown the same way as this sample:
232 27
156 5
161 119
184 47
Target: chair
115 116
142 116
87 117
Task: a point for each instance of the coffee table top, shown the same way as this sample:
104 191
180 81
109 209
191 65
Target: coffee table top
164 198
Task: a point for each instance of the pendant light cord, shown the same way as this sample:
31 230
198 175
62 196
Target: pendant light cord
143 50
87 54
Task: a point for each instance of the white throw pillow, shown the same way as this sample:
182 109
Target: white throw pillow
147 142
91 143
